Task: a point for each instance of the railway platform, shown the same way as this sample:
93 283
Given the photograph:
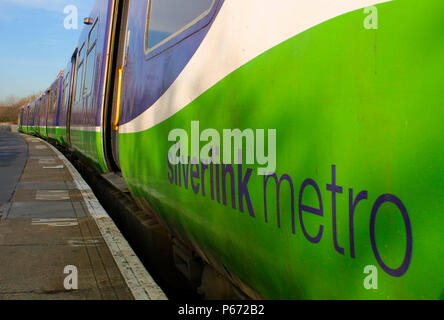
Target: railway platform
56 240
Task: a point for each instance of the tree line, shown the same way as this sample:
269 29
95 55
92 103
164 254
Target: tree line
9 107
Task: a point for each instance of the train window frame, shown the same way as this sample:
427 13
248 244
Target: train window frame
91 47
65 92
80 63
202 16
50 101
46 106
54 93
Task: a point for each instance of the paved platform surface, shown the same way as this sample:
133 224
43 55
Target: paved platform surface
50 219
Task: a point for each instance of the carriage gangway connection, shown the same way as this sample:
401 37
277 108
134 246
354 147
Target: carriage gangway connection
56 240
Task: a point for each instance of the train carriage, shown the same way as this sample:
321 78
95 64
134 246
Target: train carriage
37 118
65 103
344 101
36 123
26 127
20 119
33 121
25 119
43 115
356 181
89 72
53 114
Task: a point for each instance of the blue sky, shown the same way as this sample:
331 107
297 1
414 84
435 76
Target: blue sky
34 45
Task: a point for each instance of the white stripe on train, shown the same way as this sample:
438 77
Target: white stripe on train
242 31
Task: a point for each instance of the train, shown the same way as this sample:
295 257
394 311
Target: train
345 97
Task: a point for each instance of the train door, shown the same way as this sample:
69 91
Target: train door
44 128
27 119
70 93
119 49
37 116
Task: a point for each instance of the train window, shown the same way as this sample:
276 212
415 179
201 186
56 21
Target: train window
53 101
56 100
90 60
50 101
167 18
79 74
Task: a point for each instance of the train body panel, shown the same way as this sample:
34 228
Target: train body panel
36 123
65 104
54 100
23 119
343 101
88 95
43 115
26 120
31 117
40 115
